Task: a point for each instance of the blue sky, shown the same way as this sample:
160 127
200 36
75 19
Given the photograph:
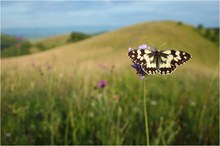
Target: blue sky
27 14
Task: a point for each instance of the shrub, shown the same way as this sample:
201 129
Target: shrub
77 36
7 41
179 23
18 49
200 26
41 46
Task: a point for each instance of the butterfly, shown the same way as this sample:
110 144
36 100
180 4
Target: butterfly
153 61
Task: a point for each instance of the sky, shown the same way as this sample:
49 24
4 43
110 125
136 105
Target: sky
28 14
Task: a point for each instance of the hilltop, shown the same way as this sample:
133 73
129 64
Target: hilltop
111 48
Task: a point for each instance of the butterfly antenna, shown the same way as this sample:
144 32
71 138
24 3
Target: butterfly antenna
162 45
150 43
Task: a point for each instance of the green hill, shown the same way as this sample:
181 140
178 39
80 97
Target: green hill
111 48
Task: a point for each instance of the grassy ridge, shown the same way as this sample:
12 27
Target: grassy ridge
111 48
54 96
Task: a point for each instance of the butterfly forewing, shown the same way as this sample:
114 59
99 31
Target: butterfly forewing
140 56
180 57
170 59
145 58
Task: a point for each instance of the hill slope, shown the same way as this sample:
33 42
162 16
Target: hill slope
111 48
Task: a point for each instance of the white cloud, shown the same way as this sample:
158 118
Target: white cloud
58 13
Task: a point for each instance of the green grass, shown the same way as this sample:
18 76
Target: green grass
44 107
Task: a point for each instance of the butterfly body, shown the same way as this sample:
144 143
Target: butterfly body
155 61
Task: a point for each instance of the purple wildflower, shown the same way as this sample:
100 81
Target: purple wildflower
49 66
101 84
33 64
116 97
139 70
154 49
102 66
149 48
20 38
18 45
144 46
142 77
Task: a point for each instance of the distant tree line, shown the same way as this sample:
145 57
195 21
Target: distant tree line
77 36
16 46
209 33
11 46
7 41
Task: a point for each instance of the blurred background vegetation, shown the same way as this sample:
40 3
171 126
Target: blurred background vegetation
11 46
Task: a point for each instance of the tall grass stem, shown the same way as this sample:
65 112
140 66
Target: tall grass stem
145 113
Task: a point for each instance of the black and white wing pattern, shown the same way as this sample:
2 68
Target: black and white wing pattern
170 59
163 62
145 58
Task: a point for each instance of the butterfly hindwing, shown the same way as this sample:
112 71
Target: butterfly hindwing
164 70
149 70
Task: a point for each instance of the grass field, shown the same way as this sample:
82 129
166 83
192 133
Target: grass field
55 97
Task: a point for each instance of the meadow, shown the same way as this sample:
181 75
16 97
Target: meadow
87 92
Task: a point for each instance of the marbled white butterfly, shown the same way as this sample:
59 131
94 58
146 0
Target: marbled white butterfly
155 61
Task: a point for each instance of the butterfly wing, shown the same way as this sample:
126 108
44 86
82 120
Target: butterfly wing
145 58
170 59
139 56
150 70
